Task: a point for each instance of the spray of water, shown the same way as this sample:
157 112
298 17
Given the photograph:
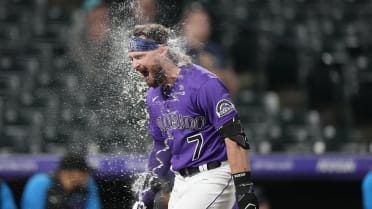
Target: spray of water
119 111
125 104
115 93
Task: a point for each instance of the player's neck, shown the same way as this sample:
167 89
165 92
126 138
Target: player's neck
172 74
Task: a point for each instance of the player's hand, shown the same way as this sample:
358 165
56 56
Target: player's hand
247 201
244 191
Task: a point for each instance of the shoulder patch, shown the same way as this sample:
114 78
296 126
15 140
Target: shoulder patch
224 107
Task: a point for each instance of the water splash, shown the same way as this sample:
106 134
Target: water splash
143 183
118 115
116 110
121 115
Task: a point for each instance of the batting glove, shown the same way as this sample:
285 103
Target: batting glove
244 191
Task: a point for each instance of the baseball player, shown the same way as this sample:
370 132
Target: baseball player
195 129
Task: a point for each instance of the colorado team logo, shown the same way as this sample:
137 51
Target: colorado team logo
224 107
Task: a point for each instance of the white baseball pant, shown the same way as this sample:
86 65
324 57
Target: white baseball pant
211 189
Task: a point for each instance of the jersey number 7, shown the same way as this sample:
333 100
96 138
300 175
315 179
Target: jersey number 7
198 139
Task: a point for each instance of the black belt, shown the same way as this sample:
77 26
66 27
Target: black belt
194 170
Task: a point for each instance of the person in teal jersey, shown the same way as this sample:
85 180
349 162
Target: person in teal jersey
71 186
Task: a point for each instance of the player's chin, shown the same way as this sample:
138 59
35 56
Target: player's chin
151 82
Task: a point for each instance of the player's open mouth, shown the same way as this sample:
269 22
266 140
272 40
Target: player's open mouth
145 73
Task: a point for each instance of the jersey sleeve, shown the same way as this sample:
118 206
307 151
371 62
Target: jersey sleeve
7 198
160 154
35 192
214 101
159 159
93 200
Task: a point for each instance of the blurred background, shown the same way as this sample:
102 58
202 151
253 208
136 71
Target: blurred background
302 82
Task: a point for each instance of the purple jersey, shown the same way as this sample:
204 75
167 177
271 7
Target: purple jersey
184 124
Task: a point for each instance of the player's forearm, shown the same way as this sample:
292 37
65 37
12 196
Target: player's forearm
240 170
237 156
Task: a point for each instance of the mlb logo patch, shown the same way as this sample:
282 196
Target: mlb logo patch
224 107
